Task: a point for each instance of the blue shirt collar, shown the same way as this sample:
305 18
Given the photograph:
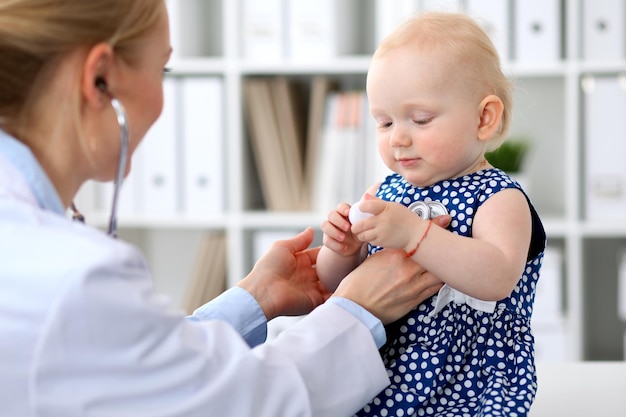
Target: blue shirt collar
25 162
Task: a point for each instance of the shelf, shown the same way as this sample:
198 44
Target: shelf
342 65
608 229
198 66
548 108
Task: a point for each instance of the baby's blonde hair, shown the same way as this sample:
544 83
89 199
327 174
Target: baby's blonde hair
468 44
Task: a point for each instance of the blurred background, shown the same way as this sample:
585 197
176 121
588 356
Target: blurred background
265 129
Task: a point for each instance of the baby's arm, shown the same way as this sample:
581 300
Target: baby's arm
341 252
486 266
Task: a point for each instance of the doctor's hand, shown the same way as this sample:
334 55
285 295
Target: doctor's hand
388 284
284 281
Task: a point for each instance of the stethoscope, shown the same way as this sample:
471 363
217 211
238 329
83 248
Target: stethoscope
425 209
428 209
122 121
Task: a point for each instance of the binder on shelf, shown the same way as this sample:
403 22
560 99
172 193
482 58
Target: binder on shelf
321 86
621 287
175 19
604 147
343 160
352 183
370 168
375 168
321 28
158 173
327 174
208 278
290 116
441 5
388 18
537 31
202 134
263 31
493 17
275 177
603 33
189 30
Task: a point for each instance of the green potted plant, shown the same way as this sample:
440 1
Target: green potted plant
510 158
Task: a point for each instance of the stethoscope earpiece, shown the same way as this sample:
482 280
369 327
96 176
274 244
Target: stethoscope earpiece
101 84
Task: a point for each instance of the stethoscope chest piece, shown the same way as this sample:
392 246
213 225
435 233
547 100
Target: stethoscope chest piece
428 209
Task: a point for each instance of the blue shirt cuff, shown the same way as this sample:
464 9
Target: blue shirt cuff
370 321
237 307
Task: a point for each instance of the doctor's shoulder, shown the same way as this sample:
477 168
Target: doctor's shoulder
95 250
66 252
57 271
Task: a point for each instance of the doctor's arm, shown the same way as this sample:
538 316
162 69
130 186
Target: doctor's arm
113 347
284 282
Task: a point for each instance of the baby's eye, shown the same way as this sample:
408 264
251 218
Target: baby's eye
166 70
383 124
423 122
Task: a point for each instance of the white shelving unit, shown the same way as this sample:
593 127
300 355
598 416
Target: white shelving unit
548 109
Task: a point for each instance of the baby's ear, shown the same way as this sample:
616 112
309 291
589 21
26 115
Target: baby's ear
491 109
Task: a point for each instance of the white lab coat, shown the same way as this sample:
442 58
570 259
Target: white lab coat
82 333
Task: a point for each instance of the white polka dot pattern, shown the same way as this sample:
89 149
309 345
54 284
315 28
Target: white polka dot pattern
461 362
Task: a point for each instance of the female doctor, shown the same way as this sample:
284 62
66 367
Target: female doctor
82 331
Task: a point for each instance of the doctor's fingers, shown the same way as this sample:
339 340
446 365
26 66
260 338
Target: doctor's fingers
410 286
310 255
387 284
299 242
407 296
426 285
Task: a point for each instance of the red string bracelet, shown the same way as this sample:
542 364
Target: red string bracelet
409 254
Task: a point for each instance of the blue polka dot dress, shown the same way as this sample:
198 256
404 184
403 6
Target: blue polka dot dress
461 361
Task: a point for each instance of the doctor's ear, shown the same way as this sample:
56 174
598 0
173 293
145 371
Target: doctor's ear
96 75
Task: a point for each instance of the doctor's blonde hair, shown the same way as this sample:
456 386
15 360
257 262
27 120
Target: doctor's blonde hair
467 45
36 34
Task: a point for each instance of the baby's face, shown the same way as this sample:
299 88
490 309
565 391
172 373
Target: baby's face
427 113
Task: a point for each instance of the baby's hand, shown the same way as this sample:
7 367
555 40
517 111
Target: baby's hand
356 214
337 234
384 223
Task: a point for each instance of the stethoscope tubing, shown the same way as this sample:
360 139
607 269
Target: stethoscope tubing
122 121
